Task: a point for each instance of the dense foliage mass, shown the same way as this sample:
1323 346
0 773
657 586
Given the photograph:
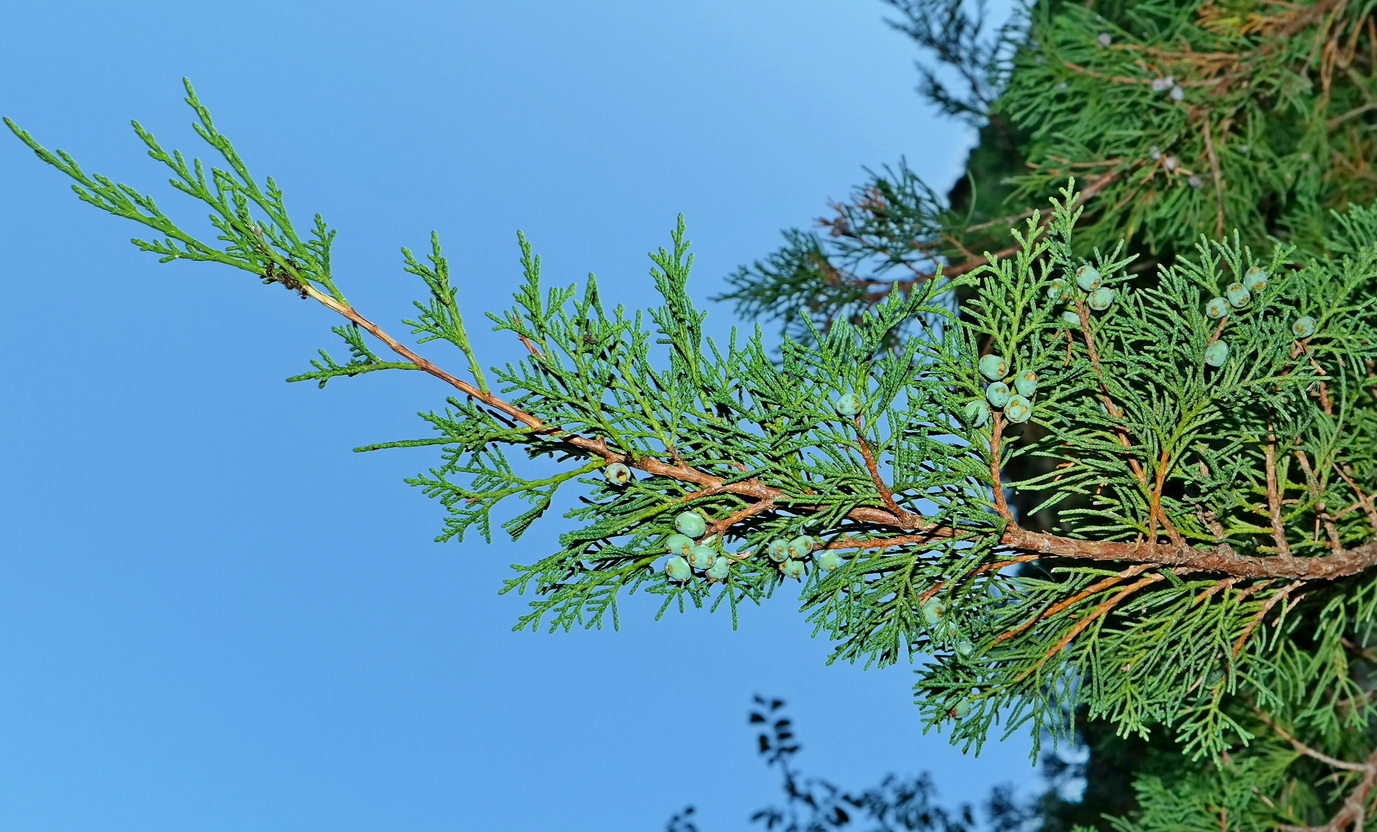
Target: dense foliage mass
1099 435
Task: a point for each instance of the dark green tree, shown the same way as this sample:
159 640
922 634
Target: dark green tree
1166 354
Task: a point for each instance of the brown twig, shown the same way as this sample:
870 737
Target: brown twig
1098 586
996 471
1363 499
886 496
1307 750
1099 610
1155 512
1354 811
1262 613
1274 495
1227 583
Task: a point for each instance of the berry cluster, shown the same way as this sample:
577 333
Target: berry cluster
1093 292
1238 296
1169 86
790 555
688 556
1015 396
1016 402
934 614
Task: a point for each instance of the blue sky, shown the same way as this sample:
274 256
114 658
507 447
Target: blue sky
213 615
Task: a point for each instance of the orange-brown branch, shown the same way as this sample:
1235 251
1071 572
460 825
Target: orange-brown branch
1220 558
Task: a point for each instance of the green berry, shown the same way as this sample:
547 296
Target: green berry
977 414
701 557
1217 307
1026 383
617 473
964 648
778 550
933 610
993 367
962 709
719 569
848 405
1238 295
691 523
997 394
1057 292
1304 327
1019 409
1255 279
792 569
829 560
1072 317
1216 354
1089 278
1101 298
678 569
678 544
801 547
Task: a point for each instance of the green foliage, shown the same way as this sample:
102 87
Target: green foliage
267 244
1260 138
886 229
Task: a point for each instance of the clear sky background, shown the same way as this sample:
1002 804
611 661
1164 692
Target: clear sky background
213 615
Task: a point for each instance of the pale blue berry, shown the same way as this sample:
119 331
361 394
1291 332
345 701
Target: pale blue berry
848 404
801 547
829 560
719 569
964 648
977 414
701 557
1217 307
997 394
678 569
1088 278
933 610
962 709
678 544
993 367
1255 279
1216 354
1058 292
617 473
1101 298
778 550
691 523
1238 295
1304 327
1018 409
1072 317
792 569
1026 383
